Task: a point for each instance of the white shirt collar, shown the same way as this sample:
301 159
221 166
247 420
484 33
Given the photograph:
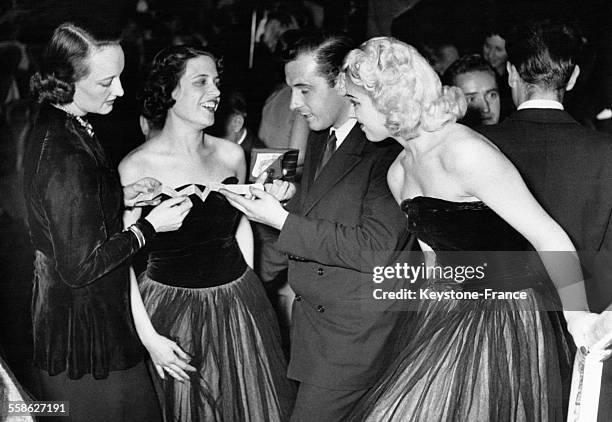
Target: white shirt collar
343 131
541 104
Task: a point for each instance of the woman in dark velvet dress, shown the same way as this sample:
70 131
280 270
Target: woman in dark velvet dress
86 348
199 288
465 360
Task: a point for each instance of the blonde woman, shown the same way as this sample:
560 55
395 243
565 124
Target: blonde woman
465 360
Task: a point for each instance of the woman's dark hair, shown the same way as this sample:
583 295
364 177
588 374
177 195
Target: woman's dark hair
65 61
167 69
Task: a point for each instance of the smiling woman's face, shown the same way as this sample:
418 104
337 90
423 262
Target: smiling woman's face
96 92
494 51
197 93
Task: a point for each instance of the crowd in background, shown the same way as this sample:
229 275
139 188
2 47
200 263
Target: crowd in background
463 42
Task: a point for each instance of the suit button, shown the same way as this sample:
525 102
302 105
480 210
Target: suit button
298 298
320 271
320 308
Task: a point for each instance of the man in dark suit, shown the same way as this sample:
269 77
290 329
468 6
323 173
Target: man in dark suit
567 167
343 212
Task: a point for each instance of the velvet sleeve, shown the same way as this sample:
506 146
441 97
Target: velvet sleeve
83 249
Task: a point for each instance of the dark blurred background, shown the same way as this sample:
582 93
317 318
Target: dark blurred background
251 36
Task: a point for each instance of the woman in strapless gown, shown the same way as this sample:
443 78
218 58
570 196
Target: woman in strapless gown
204 316
475 360
480 359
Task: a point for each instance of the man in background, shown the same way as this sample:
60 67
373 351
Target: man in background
565 165
476 78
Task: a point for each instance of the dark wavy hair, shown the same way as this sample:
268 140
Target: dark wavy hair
65 61
167 69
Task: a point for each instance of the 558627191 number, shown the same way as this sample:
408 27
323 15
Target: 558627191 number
37 408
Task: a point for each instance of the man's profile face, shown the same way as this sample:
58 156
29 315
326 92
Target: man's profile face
321 105
482 95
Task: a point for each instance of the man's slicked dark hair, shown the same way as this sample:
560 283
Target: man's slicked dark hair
544 53
329 52
466 64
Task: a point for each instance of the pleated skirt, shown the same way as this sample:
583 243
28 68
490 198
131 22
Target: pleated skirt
231 333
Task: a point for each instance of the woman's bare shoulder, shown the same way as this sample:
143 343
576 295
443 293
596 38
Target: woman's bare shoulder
224 150
463 148
223 146
133 165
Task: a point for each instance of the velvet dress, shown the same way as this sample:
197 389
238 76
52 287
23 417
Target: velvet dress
85 343
479 360
199 292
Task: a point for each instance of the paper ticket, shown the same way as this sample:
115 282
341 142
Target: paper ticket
240 189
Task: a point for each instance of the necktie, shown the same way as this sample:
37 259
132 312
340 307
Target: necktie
329 150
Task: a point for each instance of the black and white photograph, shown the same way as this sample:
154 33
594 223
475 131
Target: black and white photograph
306 210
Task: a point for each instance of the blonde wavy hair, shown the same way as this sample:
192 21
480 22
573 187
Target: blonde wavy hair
403 87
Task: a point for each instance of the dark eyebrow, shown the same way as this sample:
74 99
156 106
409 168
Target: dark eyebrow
200 75
349 95
205 76
486 92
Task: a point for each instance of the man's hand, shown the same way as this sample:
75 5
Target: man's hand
141 193
280 189
263 208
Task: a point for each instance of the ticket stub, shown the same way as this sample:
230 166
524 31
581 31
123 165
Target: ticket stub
150 198
241 189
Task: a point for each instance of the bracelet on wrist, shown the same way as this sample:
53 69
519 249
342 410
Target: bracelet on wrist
139 235
146 228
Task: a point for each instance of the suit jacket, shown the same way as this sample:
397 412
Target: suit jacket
568 169
336 341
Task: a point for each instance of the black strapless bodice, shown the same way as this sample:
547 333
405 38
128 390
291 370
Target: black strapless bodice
204 251
460 226
472 234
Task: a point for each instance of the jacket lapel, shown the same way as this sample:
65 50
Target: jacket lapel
347 156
